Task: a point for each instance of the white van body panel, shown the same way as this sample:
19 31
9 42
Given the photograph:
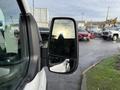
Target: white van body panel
38 83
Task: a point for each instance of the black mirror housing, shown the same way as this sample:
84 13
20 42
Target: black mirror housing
63 54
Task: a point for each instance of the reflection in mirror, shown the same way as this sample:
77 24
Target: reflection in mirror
62 46
1 24
62 41
60 64
64 29
63 67
4 71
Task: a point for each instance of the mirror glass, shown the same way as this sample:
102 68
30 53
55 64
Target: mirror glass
62 46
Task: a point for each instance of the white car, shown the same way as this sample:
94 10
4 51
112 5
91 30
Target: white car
111 33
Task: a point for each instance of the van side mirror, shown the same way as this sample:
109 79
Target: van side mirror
63 46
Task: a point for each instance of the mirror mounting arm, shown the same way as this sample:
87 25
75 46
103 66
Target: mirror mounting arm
44 56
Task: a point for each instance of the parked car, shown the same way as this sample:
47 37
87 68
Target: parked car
92 35
83 35
96 31
111 33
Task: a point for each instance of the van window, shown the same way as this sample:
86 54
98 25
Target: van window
12 68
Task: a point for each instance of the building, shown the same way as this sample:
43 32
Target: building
41 16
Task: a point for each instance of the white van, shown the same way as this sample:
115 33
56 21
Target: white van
23 61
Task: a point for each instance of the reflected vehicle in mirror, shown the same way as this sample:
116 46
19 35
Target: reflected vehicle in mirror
2 20
1 23
63 46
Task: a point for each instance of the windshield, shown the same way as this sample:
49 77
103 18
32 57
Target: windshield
12 68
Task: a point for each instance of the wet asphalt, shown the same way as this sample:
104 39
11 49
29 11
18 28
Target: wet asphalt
89 53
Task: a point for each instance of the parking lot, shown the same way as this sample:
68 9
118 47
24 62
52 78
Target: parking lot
89 53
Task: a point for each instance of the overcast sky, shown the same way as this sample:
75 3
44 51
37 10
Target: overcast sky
88 9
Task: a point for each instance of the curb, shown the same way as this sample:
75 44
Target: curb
93 65
83 85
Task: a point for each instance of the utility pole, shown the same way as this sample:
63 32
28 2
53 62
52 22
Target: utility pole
11 17
82 16
108 9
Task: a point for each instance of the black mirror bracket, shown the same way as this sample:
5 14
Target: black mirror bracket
44 56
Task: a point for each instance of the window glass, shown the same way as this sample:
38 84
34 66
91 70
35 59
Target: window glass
11 67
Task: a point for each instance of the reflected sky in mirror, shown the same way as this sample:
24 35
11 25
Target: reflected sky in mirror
65 28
